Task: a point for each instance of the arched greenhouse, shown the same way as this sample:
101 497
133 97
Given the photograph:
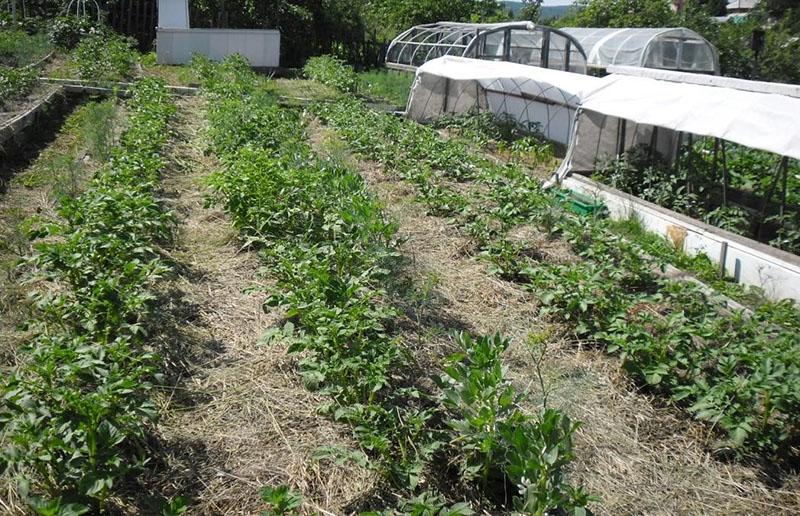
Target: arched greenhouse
678 49
516 42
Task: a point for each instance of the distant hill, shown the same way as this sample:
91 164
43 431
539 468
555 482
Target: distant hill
548 11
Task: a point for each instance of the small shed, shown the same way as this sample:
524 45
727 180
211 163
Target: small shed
674 48
177 41
516 42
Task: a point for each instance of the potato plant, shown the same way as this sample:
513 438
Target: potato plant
331 250
16 83
104 57
739 373
74 415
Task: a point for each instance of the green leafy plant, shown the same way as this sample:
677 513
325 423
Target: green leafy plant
75 412
16 83
332 72
104 57
281 500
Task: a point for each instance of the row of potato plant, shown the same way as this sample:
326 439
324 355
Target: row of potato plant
739 372
331 251
75 412
16 83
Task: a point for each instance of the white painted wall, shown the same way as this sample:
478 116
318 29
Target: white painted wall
262 48
751 263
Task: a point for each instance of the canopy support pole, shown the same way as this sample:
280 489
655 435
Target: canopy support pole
724 174
446 94
716 159
784 186
689 172
677 150
770 192
653 141
621 127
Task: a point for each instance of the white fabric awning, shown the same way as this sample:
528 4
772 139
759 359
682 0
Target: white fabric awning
769 122
563 88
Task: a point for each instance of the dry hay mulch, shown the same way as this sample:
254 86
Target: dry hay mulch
237 417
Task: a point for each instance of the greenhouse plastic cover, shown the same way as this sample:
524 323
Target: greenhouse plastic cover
649 47
535 97
563 88
763 121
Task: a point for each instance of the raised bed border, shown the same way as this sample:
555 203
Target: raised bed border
747 261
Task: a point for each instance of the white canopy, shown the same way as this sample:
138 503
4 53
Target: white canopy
533 96
763 121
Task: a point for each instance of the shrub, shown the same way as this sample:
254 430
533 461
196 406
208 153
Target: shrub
66 32
332 72
104 57
16 83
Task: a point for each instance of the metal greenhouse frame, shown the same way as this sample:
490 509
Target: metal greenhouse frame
676 48
516 42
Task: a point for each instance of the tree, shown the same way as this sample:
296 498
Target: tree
531 11
621 13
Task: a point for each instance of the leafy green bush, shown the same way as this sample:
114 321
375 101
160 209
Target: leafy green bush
18 48
104 58
67 31
16 83
332 72
494 437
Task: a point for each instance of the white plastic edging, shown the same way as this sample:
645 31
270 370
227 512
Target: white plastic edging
747 261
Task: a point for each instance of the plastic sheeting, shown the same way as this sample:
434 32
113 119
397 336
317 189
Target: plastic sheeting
665 48
516 42
759 120
535 97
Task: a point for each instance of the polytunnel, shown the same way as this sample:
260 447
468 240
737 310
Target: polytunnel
538 99
674 48
517 42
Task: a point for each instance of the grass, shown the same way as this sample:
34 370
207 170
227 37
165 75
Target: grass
391 86
176 75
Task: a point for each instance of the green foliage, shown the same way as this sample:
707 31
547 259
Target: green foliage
281 500
621 13
76 410
16 83
386 84
693 187
66 32
332 72
104 57
608 295
495 437
402 14
18 48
